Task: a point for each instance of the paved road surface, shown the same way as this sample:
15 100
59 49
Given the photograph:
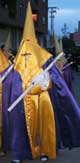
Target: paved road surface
66 156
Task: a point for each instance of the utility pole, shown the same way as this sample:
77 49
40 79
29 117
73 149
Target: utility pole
52 11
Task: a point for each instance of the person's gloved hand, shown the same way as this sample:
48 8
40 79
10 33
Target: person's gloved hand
43 80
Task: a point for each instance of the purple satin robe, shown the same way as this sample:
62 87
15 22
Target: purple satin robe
15 136
66 109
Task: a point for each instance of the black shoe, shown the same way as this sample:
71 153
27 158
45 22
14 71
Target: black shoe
44 158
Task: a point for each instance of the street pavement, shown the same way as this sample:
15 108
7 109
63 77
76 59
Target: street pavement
64 156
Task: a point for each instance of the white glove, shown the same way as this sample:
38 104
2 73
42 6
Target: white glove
42 79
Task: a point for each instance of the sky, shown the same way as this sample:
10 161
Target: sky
68 12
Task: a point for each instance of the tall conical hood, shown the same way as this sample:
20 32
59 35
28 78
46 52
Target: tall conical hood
29 31
56 44
58 48
61 45
8 42
64 60
7 45
31 56
4 63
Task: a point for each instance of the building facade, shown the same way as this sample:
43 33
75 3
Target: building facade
12 17
76 36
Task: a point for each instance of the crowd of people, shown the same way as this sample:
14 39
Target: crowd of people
47 118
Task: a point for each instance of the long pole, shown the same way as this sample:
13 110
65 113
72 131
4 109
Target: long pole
6 73
33 83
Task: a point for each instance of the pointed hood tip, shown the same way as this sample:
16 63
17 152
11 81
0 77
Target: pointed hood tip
8 42
58 48
29 31
7 45
56 44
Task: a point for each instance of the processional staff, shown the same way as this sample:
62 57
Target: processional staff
33 83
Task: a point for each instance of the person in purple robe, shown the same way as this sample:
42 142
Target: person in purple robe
68 75
4 64
67 111
67 115
15 137
13 134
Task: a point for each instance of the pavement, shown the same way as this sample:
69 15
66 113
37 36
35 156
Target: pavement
64 156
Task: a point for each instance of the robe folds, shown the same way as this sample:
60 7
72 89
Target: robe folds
68 77
38 109
29 129
41 124
34 127
35 110
14 133
5 101
4 63
66 109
